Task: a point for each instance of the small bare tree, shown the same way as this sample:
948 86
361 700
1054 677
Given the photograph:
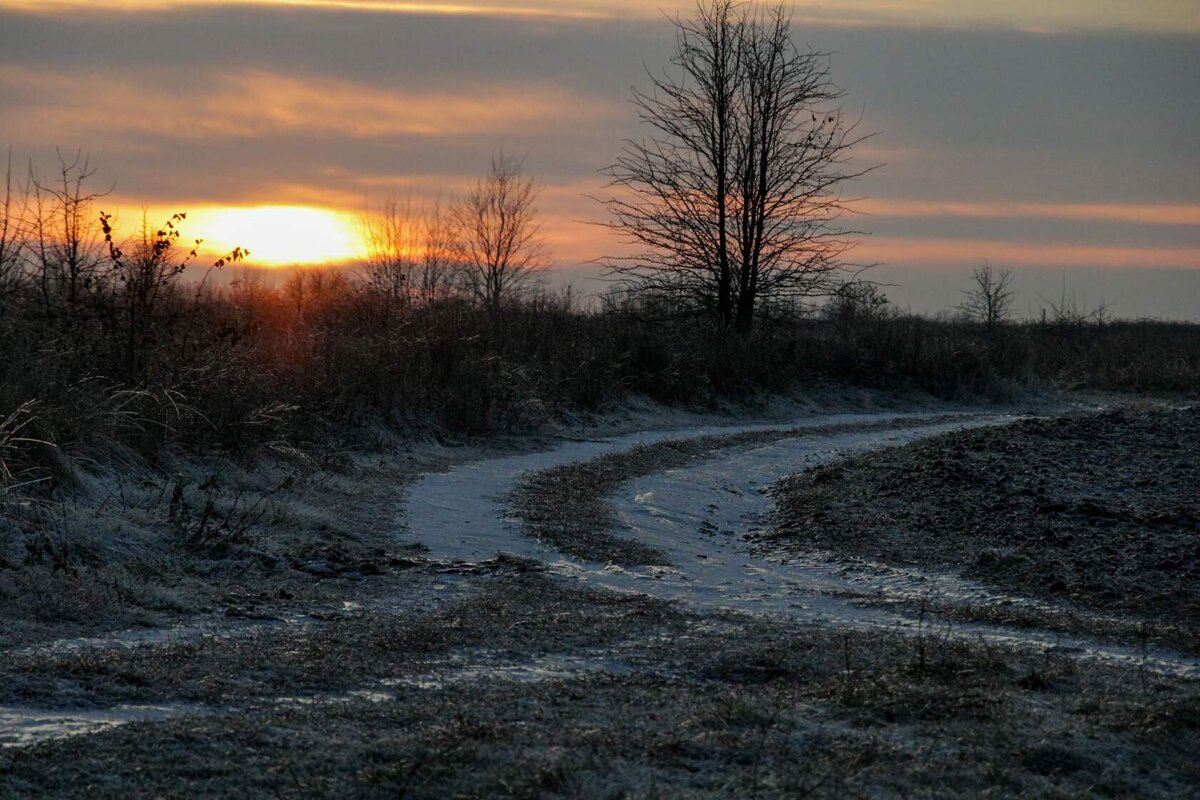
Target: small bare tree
391 236
497 239
736 193
989 300
408 255
437 256
65 245
12 236
856 301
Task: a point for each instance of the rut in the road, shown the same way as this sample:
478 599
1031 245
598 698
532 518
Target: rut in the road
700 518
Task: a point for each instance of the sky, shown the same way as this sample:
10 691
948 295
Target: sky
1058 139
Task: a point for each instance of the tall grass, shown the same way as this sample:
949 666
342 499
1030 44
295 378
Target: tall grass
251 364
107 346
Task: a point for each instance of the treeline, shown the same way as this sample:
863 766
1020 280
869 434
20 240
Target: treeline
109 349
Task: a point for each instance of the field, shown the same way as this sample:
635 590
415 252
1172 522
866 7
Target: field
599 399
641 625
289 542
299 540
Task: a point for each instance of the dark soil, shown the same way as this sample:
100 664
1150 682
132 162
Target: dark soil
1099 512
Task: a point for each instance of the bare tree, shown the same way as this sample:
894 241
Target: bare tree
497 239
408 255
735 195
989 300
856 301
392 239
12 236
65 243
437 256
316 291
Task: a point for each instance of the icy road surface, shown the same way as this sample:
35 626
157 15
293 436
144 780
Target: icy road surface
704 516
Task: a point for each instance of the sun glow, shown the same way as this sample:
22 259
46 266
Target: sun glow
280 235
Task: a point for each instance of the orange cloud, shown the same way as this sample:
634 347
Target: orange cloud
576 10
965 251
1149 214
256 104
1032 16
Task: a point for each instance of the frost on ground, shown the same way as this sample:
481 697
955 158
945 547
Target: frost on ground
644 699
566 506
1092 513
130 547
452 672
699 506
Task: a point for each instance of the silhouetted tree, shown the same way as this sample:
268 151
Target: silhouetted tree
408 255
65 247
736 193
856 301
989 300
437 256
390 264
496 237
12 237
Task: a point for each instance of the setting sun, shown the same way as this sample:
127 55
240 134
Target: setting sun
280 235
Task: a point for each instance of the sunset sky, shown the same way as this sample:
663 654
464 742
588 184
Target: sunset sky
1061 139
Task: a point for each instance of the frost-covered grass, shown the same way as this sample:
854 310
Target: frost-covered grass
682 705
502 679
122 541
134 544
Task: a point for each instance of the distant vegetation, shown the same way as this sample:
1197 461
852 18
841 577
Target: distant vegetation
107 345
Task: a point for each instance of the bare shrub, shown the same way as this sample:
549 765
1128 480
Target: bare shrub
65 239
497 238
989 300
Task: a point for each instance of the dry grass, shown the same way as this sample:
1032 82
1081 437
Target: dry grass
679 706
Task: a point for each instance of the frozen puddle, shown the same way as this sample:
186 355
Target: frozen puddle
702 517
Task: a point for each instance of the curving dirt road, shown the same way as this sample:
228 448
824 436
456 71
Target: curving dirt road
704 517
691 663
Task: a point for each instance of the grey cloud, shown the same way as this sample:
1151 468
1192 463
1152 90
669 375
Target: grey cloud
983 115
